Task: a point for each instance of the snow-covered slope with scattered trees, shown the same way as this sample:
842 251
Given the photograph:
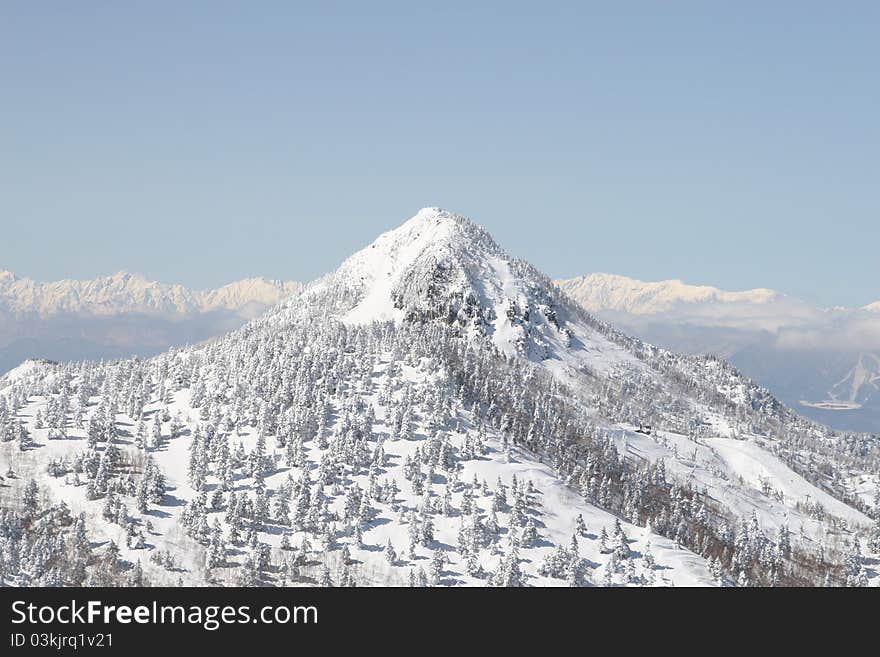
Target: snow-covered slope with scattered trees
433 412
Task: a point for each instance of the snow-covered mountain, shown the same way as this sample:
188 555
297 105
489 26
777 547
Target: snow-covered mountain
822 361
125 293
758 309
435 411
120 315
598 291
860 383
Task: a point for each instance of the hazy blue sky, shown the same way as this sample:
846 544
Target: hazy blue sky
733 145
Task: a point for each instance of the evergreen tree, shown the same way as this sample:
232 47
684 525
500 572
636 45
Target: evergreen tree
326 581
580 526
437 563
30 498
390 553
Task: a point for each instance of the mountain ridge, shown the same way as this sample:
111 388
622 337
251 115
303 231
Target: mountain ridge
125 292
602 291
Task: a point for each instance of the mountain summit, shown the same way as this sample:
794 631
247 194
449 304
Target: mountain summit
434 254
440 266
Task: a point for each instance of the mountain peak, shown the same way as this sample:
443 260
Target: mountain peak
435 226
441 266
434 254
601 291
126 276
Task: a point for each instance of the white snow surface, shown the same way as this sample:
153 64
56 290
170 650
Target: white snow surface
380 266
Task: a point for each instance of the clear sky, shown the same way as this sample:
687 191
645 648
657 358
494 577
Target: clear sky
733 144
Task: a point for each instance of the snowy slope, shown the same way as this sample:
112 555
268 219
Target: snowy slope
557 508
745 477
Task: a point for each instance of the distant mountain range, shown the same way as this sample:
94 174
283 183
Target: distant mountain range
619 293
120 315
127 293
825 362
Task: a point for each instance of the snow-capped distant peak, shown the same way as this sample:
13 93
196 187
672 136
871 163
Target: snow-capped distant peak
613 292
125 292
